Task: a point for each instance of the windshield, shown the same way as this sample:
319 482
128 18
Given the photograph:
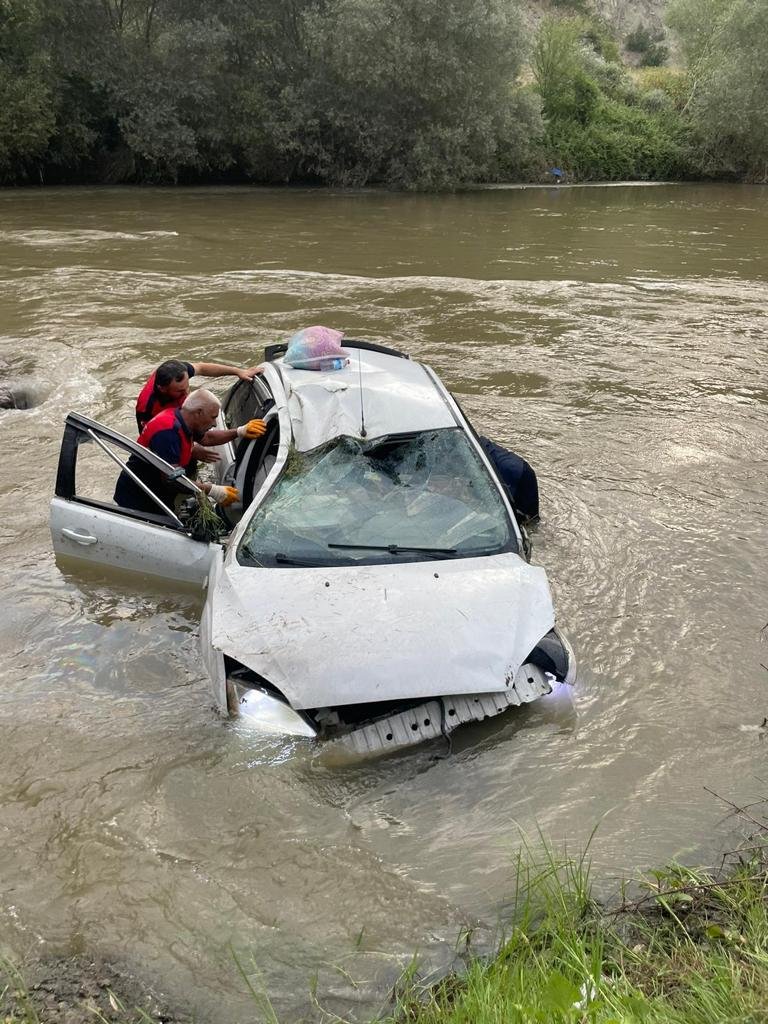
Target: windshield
398 498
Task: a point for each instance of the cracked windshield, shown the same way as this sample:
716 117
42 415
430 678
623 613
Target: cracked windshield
421 495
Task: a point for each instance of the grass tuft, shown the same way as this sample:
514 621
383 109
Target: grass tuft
204 522
689 949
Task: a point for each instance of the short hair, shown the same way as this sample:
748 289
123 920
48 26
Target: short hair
200 399
170 370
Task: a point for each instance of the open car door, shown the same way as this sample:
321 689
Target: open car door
88 525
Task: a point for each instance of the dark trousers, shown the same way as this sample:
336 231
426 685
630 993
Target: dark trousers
517 476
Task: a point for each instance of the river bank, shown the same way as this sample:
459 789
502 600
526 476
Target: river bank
688 946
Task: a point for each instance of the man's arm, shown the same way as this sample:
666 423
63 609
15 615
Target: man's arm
215 436
250 430
223 370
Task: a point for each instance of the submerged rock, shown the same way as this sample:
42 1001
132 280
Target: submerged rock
14 398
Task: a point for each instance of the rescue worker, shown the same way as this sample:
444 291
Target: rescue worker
168 386
172 434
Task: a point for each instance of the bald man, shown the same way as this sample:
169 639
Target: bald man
172 434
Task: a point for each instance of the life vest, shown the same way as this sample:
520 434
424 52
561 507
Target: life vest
168 436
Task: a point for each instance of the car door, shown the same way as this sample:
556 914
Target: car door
250 459
87 525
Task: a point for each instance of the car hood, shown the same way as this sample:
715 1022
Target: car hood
349 635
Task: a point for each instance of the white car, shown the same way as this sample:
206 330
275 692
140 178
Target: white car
374 589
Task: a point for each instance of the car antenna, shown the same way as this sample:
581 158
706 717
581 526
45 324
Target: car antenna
363 431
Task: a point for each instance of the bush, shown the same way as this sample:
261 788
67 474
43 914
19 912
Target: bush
655 100
648 45
675 83
622 143
612 78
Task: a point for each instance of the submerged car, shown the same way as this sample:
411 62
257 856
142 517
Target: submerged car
374 589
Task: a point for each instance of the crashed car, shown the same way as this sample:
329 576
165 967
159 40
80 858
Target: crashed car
374 588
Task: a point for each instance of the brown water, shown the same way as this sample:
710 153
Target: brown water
614 336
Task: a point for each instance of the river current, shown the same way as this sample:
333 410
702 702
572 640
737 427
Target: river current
615 337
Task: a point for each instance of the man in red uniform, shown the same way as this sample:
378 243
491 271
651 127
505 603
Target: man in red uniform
172 434
169 385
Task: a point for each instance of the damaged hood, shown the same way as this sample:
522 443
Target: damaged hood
354 634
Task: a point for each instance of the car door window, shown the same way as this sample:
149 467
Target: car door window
92 457
249 400
245 401
259 461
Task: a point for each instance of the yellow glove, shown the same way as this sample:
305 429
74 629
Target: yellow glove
223 495
252 429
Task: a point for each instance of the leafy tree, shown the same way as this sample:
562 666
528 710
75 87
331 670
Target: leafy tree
26 106
725 42
567 91
341 91
417 95
556 63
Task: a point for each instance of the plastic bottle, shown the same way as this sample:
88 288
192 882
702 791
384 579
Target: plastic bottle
332 363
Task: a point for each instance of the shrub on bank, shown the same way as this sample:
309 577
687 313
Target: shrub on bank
622 142
673 82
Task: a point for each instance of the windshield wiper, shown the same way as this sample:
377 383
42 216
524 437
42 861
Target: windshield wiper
282 559
396 549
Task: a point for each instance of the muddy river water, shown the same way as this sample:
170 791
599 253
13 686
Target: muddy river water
616 337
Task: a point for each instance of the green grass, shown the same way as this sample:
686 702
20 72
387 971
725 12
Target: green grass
690 947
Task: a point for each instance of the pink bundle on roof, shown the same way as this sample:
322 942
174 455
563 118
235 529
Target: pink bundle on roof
316 348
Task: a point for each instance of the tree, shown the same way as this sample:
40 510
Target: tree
26 108
725 42
648 45
567 91
415 94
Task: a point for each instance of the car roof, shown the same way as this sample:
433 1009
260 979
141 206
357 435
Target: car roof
397 396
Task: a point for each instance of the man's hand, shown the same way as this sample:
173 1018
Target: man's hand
223 495
249 373
203 454
252 429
